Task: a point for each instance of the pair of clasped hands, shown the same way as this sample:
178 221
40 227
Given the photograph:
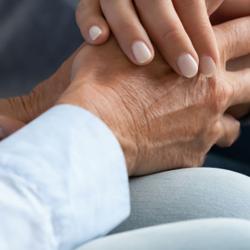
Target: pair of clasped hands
166 103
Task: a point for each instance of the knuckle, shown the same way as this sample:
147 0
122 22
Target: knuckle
127 27
225 93
216 130
172 34
202 32
219 95
231 136
229 91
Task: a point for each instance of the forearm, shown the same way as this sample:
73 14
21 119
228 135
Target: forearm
65 172
44 96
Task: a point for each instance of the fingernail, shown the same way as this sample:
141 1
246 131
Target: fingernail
207 66
187 65
94 32
141 52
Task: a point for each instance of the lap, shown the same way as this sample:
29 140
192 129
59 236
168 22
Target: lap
187 194
223 234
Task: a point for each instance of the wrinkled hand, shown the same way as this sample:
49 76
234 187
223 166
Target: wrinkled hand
18 111
161 120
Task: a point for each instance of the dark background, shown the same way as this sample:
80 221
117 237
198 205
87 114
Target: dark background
35 38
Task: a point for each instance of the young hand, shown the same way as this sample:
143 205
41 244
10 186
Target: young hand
180 29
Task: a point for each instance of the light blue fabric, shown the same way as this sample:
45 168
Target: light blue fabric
187 194
60 177
210 234
178 198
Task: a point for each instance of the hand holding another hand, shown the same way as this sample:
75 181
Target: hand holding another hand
161 120
180 30
175 27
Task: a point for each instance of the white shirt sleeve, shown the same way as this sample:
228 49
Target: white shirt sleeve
63 182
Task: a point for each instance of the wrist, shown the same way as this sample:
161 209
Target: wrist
108 107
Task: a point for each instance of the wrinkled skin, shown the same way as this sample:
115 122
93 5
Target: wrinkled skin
162 121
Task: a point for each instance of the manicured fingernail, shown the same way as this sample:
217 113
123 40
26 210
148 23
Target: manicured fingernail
187 65
207 66
141 52
94 32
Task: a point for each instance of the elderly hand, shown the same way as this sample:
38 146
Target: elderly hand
161 120
18 111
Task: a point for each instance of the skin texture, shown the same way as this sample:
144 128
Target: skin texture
175 27
231 9
162 121
183 24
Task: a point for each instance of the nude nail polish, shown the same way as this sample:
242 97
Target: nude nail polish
141 52
207 66
94 32
187 65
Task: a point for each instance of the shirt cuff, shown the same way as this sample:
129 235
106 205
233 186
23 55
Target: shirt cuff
75 166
